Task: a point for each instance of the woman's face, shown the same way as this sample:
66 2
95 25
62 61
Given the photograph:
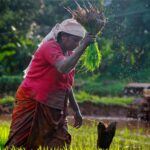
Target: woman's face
71 41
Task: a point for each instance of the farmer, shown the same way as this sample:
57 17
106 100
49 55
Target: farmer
39 115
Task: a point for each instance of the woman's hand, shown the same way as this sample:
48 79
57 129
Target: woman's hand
66 65
78 120
88 39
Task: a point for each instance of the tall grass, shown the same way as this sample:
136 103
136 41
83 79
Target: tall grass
85 138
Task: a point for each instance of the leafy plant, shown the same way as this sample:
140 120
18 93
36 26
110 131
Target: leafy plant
93 21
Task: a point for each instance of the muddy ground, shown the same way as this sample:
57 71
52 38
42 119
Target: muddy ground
87 109
91 109
96 112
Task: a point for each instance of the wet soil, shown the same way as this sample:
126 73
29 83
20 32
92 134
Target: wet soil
93 113
122 122
88 109
91 109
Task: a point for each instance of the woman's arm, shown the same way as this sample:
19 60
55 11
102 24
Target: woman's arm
75 107
69 63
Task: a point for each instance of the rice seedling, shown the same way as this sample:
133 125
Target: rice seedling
93 20
4 131
85 138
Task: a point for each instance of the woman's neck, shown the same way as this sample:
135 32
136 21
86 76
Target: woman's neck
63 47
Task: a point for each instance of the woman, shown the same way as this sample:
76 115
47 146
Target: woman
39 117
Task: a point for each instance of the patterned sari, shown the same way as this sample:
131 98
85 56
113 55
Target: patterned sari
35 124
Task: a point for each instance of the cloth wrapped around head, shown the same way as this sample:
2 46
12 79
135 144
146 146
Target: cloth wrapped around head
70 26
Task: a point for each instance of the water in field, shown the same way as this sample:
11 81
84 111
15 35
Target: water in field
122 122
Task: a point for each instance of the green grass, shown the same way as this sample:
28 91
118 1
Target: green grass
121 101
97 86
4 131
81 97
85 138
7 100
111 88
125 139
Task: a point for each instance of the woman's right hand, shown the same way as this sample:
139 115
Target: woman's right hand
88 39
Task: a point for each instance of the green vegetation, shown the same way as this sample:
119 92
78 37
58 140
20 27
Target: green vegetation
7 100
101 88
9 84
122 101
124 139
4 131
124 42
124 45
85 138
95 84
83 97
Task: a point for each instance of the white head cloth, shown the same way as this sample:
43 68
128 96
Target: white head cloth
70 26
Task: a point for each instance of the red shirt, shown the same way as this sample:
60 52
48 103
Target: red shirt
43 78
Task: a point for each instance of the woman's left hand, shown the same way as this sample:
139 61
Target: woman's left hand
78 120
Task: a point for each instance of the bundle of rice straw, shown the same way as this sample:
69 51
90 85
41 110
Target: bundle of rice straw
93 21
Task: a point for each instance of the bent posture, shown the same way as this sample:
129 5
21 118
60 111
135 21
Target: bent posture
39 115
